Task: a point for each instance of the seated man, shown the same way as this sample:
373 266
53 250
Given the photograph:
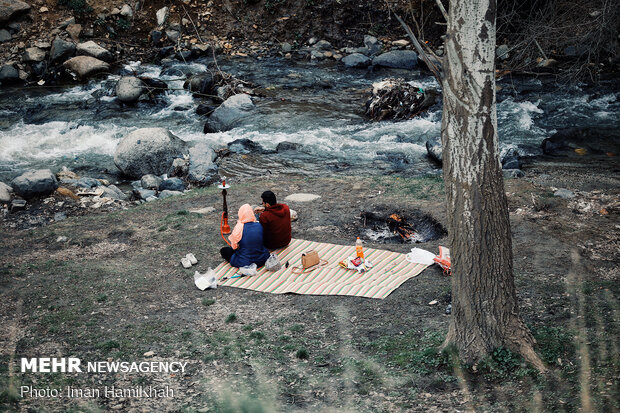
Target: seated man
276 221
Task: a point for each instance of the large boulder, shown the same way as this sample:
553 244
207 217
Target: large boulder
230 112
397 59
148 151
92 49
202 167
129 89
86 66
356 60
35 183
5 192
11 8
578 142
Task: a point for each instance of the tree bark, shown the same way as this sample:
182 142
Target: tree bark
485 312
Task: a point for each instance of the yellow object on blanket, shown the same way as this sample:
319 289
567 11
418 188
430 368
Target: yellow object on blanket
389 271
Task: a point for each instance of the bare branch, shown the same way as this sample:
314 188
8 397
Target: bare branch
541 50
192 21
432 65
442 9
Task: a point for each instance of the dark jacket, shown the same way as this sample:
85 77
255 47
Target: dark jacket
276 222
251 248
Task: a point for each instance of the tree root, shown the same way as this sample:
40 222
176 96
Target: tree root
517 338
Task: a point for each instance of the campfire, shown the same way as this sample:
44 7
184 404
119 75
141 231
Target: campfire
400 227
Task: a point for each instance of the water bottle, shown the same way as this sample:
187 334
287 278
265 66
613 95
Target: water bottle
359 249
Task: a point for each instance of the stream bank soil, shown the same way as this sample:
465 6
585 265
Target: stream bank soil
110 286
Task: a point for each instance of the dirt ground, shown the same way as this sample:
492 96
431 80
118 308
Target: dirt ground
114 290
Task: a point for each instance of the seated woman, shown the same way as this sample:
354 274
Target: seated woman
246 240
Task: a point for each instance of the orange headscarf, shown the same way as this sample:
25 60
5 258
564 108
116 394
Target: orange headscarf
246 214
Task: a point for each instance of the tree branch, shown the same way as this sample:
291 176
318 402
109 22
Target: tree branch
432 65
442 9
541 50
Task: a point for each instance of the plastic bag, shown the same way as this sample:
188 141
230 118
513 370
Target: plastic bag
273 263
420 256
206 280
248 270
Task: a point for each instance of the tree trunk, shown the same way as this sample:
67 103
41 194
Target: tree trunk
485 313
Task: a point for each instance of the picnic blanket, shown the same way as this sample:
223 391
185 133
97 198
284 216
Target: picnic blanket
389 271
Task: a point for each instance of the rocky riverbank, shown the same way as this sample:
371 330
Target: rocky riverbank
45 44
49 41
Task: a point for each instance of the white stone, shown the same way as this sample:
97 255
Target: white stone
126 11
301 197
203 211
162 15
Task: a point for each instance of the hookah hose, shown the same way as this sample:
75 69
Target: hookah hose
221 230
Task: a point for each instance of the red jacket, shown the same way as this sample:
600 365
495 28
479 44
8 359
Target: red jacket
276 221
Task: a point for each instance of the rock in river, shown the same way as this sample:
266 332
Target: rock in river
129 89
398 59
577 142
229 113
356 60
86 66
202 169
148 151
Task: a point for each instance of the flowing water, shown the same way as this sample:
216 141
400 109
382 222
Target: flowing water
317 106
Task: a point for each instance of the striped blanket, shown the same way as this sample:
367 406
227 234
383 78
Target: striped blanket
389 271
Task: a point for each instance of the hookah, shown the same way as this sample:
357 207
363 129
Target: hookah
224 227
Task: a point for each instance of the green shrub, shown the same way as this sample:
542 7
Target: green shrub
302 354
208 301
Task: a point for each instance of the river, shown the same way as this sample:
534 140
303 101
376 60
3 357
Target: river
318 106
